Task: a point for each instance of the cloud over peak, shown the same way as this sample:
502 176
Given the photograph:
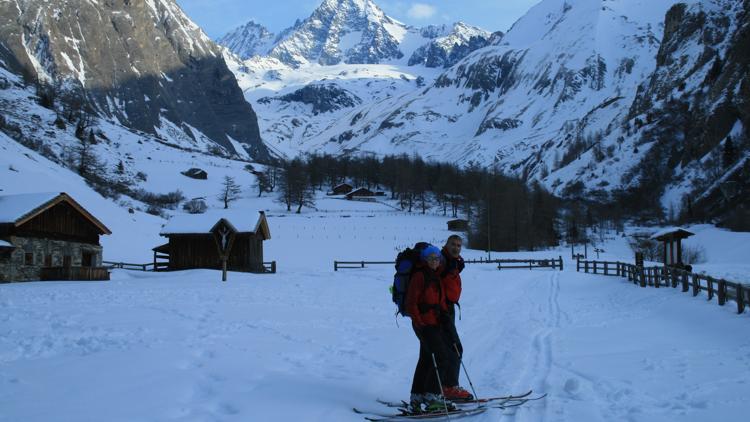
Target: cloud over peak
421 11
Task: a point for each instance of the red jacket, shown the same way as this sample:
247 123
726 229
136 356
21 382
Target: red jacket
425 299
452 277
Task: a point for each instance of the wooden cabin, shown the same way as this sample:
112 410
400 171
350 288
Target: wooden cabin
458 225
342 189
200 241
671 239
49 236
361 194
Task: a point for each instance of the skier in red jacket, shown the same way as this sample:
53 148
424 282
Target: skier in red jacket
425 303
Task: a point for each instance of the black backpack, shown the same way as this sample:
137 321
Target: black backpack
406 261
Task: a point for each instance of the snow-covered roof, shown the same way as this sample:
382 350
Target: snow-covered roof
20 208
243 221
669 230
4 244
16 207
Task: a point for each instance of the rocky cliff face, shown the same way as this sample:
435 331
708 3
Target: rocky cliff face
694 110
142 63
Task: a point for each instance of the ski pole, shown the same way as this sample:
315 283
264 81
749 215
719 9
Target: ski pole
461 360
440 384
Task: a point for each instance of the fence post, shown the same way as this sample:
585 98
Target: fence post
595 267
669 277
578 264
273 267
696 285
685 286
643 276
586 266
658 274
335 265
740 298
606 268
710 283
722 292
363 264
561 263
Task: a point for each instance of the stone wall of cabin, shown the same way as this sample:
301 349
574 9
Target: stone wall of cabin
13 262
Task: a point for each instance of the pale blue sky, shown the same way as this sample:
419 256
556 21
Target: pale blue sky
217 17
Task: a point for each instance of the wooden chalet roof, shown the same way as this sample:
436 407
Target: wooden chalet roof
671 233
242 221
19 209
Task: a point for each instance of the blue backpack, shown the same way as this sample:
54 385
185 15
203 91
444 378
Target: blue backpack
406 261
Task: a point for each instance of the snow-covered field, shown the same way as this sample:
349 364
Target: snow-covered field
308 343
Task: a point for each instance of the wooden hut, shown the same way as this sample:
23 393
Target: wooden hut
672 241
196 173
458 225
49 236
201 240
342 189
361 194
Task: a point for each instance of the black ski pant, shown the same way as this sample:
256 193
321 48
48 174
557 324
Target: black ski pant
431 341
452 342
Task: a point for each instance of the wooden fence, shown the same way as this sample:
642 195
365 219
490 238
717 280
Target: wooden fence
501 263
661 276
268 267
358 264
530 263
160 266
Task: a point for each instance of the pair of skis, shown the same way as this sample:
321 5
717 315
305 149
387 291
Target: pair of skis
479 406
406 416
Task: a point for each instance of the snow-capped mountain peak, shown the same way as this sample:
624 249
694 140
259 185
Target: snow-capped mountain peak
449 44
248 40
357 32
351 31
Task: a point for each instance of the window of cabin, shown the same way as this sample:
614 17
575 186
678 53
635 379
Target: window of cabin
87 259
28 258
47 260
67 261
